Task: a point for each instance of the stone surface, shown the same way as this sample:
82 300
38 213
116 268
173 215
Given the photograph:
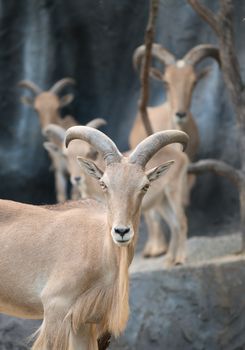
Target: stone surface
198 306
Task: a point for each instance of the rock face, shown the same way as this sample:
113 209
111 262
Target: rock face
15 333
197 307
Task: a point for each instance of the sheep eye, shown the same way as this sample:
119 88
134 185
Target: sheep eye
145 188
103 185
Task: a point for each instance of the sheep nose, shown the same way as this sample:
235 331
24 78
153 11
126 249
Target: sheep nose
77 179
121 230
181 114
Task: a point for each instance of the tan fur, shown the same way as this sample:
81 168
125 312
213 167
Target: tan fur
77 178
180 80
97 298
175 178
180 84
65 163
176 181
47 105
68 264
156 244
112 302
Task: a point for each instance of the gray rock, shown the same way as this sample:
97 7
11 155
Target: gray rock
200 306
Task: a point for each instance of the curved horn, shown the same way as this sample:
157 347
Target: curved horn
152 144
59 85
157 51
54 133
96 139
96 123
199 52
30 86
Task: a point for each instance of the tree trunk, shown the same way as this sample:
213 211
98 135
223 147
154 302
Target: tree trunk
144 73
242 213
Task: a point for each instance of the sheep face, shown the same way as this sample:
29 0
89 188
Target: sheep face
124 185
179 80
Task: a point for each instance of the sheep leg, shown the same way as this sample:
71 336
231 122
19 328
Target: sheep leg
84 339
169 216
175 217
41 342
60 186
180 255
156 244
191 180
56 326
51 334
75 193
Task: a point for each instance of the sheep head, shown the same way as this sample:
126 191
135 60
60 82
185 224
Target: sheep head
124 181
179 76
56 135
48 103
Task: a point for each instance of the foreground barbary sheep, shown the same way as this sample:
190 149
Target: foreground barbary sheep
68 264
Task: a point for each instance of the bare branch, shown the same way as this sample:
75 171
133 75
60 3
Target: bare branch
144 74
230 64
206 15
222 24
218 167
242 214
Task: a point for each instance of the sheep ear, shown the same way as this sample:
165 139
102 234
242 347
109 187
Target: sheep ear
92 154
51 147
65 100
28 101
203 73
90 168
155 74
155 173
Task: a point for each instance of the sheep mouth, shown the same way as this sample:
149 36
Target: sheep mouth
122 242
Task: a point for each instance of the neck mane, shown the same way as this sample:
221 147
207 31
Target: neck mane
106 302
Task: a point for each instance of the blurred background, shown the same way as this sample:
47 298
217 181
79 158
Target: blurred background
93 42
